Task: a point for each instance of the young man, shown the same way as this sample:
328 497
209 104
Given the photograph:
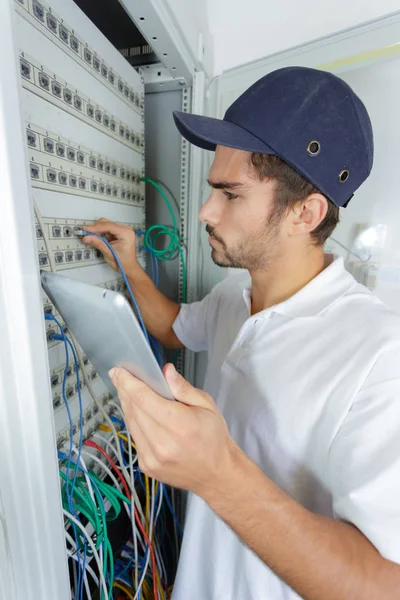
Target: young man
292 451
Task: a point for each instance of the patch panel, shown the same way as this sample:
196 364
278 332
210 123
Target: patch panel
41 81
54 28
66 244
51 178
91 419
121 183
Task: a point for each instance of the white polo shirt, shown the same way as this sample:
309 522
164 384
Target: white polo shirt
310 390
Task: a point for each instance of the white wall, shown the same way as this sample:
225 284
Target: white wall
377 202
192 19
246 31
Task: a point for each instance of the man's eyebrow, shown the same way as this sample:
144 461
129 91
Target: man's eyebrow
225 185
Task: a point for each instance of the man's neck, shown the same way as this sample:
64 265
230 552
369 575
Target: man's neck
285 277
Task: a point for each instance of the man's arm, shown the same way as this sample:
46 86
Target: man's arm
158 312
187 444
320 558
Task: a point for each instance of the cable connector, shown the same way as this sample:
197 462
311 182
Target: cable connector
57 336
49 317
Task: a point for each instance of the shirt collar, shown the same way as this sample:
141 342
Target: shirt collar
320 293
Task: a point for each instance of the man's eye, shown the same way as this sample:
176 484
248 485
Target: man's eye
230 196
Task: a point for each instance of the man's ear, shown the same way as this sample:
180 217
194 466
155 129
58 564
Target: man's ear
306 215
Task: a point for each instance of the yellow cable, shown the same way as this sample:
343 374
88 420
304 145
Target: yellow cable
124 589
147 590
103 427
159 586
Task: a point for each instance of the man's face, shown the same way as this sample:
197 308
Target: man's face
238 213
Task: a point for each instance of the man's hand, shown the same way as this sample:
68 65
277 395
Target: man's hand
121 237
185 444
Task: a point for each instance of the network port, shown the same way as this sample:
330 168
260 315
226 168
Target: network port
35 171
74 43
38 10
59 258
51 22
55 380
60 149
51 175
31 138
43 259
64 34
67 96
25 69
78 102
49 145
71 154
56 89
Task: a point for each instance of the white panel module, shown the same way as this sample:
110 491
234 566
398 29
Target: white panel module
83 108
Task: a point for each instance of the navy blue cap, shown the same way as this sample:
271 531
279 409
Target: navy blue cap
311 119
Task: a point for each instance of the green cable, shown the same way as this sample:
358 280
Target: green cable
175 243
84 501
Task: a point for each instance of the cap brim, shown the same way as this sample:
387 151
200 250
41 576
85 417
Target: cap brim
207 133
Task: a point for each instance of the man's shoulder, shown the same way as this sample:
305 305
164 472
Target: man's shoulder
366 310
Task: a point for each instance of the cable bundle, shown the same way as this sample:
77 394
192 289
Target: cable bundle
92 501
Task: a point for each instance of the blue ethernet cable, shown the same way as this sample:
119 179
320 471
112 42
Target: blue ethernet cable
168 502
62 337
103 239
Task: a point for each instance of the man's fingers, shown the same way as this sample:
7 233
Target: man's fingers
95 242
183 391
104 226
133 391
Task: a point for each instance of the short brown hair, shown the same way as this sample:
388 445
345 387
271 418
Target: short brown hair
292 188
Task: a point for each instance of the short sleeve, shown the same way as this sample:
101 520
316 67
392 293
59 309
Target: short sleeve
364 459
191 324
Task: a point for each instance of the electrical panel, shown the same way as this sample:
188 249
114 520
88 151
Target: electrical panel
83 107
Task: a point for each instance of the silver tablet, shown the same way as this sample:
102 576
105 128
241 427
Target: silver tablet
107 330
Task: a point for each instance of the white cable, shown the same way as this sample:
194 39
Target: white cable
153 522
85 578
89 484
128 476
92 547
109 473
73 555
85 472
108 445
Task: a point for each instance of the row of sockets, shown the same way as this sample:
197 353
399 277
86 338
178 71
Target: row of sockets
70 39
70 256
71 389
90 420
78 102
63 151
57 177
